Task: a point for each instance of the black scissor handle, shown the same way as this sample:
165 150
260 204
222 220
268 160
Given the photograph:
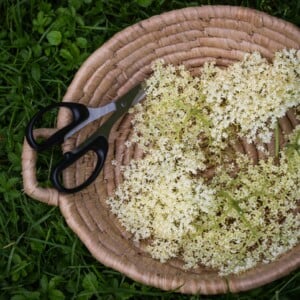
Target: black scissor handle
80 113
99 146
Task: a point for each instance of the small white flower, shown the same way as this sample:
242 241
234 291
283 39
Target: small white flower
114 162
128 144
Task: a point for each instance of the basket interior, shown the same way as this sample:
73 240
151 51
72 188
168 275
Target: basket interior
190 36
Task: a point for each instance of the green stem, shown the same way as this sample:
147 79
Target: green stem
235 205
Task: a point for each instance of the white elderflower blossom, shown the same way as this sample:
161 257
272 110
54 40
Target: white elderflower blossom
168 199
238 93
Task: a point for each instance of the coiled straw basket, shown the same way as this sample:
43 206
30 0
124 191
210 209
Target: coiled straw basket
189 36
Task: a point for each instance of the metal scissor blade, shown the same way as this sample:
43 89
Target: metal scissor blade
94 114
131 98
139 96
123 104
119 107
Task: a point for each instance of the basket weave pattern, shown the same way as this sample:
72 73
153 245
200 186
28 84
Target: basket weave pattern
188 36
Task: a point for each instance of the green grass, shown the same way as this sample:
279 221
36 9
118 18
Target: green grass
42 45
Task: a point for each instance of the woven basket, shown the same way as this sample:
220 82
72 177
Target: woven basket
189 36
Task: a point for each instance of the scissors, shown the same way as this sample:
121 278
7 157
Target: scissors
97 142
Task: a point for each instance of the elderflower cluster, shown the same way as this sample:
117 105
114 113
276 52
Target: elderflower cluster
252 94
229 223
